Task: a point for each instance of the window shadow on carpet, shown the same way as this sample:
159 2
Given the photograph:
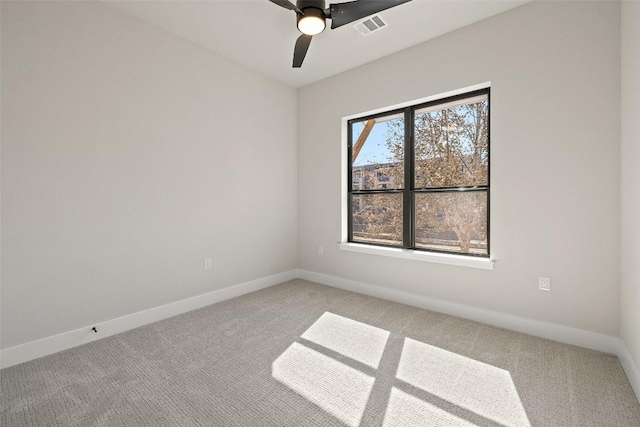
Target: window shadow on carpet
364 375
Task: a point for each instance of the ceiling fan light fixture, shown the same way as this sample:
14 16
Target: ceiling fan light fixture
312 22
312 15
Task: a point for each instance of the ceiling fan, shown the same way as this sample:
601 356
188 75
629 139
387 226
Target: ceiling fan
311 17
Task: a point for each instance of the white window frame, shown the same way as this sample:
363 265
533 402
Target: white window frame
408 254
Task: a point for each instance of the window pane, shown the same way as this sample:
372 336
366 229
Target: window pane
378 153
452 222
377 218
451 144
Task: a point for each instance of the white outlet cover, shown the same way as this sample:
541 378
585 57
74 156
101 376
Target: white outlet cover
320 250
207 264
544 283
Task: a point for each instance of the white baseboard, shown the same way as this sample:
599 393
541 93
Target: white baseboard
66 340
565 334
630 367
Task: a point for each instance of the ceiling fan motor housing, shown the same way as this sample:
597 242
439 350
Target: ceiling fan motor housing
316 4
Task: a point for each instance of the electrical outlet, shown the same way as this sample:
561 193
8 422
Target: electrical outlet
320 250
544 283
207 264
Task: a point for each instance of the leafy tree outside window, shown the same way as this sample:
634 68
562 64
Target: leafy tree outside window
442 156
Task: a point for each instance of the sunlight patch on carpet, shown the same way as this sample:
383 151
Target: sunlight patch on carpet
475 386
357 340
333 386
408 411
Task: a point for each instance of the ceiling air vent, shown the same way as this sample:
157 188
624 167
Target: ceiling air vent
369 25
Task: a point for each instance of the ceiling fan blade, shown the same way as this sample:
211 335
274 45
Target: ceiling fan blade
286 4
300 51
345 13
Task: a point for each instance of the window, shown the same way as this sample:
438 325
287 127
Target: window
383 177
419 176
357 177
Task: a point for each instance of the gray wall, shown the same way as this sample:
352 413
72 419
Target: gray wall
121 146
555 201
630 181
128 157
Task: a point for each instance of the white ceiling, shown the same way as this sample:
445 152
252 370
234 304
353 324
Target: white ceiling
261 35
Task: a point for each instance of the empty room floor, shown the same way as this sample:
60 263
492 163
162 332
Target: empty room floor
303 354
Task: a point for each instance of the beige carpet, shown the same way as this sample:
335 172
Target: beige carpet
302 354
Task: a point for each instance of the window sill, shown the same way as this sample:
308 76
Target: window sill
460 260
